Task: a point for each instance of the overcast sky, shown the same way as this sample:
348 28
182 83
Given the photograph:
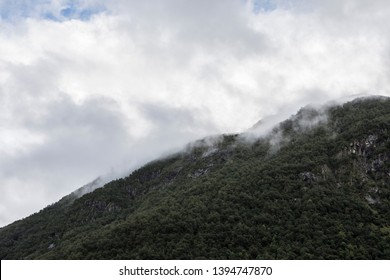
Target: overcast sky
95 87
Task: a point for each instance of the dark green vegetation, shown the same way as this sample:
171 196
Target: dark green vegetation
318 187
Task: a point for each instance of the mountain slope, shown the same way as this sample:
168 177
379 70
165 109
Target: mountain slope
316 187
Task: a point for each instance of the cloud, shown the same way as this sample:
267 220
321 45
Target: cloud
92 86
78 142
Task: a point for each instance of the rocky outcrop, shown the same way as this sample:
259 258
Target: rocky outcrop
100 206
363 147
372 200
200 172
308 177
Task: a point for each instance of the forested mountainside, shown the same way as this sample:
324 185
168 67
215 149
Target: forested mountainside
316 187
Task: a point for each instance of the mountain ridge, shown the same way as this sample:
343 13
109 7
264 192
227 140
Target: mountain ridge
287 195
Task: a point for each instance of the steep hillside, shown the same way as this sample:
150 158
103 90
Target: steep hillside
316 187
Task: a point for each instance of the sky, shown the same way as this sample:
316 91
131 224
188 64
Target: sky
98 88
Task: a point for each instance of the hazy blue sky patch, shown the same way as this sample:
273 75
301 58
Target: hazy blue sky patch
74 11
10 9
46 9
263 6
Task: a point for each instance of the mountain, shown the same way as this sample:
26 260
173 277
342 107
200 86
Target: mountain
315 187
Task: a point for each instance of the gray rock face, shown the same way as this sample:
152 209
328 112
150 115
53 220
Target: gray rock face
363 147
308 177
372 200
200 172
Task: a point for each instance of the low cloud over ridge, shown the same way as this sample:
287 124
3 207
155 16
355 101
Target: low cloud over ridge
108 85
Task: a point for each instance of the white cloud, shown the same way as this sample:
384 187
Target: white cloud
81 95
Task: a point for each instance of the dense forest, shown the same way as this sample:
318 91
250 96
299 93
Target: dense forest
316 187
